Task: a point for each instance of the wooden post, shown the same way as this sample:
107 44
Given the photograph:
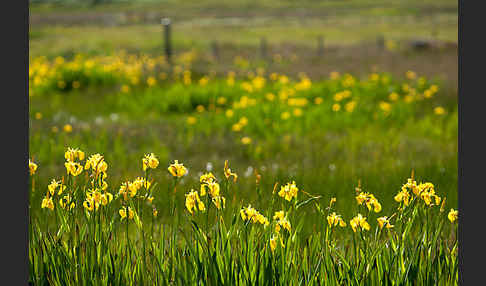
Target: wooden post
215 49
263 47
380 41
320 46
168 47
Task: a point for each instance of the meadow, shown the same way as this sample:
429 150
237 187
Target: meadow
289 169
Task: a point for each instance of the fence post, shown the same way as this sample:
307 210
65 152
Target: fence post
168 48
263 47
215 49
320 46
380 41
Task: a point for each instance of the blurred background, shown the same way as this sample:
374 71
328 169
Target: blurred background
108 77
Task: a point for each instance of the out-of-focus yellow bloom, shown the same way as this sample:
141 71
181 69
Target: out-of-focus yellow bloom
283 79
154 212
285 115
270 96
73 153
76 84
237 127
123 213
229 113
336 107
335 219
359 221
38 115
297 112
221 100
393 96
334 75
203 80
228 173
151 81
191 120
385 106
54 129
193 202
68 128
150 161
125 88
32 167
288 191
453 214
411 75
47 203
177 169
246 140
318 100
350 106
434 88
439 110
384 222
73 168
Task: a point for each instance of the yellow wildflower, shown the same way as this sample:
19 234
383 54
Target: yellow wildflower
177 169
55 185
453 214
73 168
73 153
439 110
47 203
68 128
228 173
288 191
246 140
334 220
123 213
359 221
32 167
150 161
384 222
193 202
219 202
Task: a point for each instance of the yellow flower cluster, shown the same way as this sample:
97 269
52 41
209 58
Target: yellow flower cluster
288 191
193 202
424 191
251 214
369 200
335 220
95 198
281 221
123 213
359 221
210 186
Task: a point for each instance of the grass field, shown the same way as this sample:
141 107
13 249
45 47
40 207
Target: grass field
346 162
